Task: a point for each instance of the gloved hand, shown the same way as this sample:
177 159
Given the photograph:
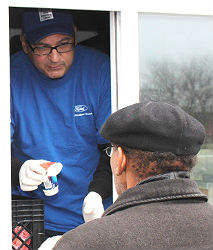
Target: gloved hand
32 174
49 243
92 207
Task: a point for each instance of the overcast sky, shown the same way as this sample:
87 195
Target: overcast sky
174 37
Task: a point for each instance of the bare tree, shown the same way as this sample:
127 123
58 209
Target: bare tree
188 84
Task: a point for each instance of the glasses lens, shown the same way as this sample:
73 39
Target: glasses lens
42 50
66 47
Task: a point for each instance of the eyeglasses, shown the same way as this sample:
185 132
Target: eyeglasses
109 150
47 50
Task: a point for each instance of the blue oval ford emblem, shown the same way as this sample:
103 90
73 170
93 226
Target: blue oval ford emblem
80 108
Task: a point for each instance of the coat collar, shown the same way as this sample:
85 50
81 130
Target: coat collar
171 175
171 186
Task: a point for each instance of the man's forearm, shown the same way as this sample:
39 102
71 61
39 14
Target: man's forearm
102 178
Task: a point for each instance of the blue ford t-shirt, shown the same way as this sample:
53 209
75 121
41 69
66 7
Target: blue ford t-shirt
59 120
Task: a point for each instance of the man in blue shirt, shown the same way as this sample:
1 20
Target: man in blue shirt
60 97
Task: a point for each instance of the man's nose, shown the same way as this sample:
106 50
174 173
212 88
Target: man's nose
54 56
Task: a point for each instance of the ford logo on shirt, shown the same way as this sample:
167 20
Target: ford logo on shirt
80 108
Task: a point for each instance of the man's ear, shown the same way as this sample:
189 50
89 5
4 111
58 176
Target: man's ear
121 161
24 44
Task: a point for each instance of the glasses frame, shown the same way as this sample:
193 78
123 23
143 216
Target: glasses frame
109 150
51 48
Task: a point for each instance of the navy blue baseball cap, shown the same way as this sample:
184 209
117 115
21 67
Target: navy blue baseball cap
40 23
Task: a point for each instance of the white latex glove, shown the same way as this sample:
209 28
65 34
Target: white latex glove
49 243
54 169
31 174
92 207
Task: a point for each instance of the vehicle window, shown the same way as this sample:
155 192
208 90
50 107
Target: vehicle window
175 61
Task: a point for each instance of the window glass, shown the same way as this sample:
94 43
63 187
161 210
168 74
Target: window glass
175 61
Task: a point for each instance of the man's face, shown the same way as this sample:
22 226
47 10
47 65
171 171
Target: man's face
54 65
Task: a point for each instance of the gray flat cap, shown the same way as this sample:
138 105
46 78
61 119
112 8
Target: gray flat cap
155 126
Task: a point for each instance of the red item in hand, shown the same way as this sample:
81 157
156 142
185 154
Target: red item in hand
24 235
46 165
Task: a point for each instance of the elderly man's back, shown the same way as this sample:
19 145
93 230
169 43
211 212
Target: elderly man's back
161 214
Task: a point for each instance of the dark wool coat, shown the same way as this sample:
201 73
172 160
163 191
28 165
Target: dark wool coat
164 212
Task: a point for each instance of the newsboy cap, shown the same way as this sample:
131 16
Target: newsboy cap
156 127
40 23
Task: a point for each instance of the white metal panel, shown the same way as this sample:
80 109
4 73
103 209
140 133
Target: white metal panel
79 4
192 7
113 60
128 85
196 7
